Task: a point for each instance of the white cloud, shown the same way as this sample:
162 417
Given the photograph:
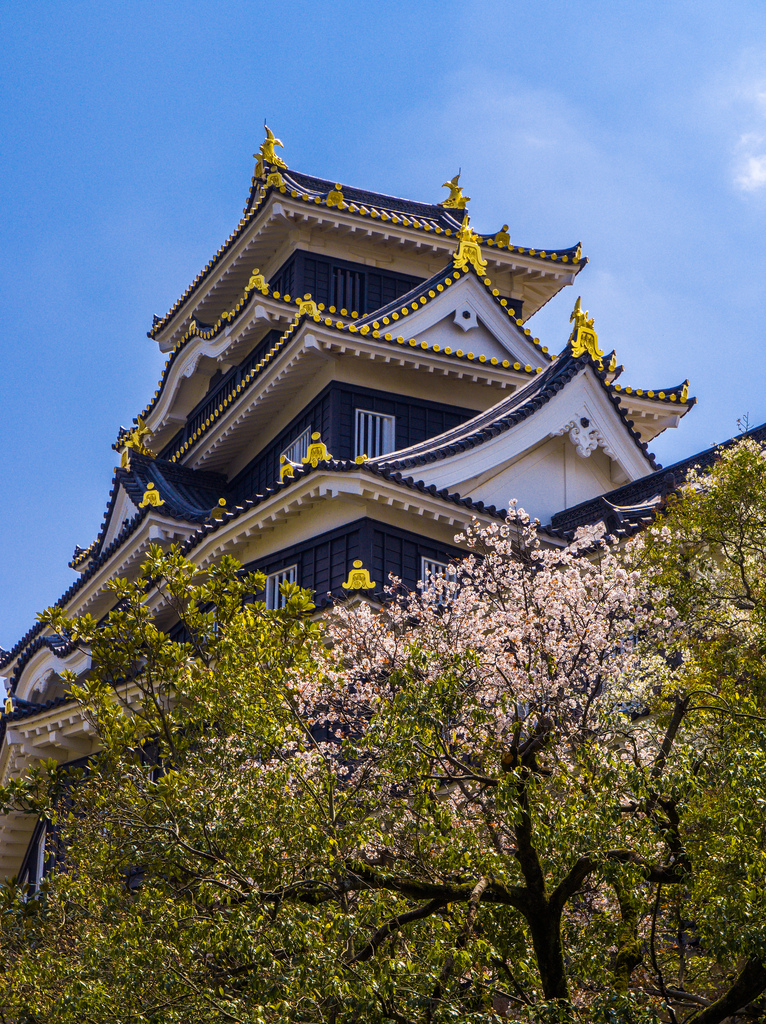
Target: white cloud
751 166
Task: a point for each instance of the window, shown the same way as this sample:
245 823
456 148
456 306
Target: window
33 868
375 434
434 575
296 451
274 596
348 290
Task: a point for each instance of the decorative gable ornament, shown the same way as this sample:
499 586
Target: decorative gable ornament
469 249
585 436
583 338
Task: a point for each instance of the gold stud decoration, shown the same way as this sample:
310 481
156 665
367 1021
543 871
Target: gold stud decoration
358 578
151 497
456 200
583 338
316 452
468 250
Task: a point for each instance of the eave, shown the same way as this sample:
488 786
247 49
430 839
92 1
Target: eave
255 242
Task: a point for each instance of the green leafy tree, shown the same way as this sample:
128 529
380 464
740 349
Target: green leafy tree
532 791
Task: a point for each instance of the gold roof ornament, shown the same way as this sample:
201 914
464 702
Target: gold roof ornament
335 197
257 280
316 452
286 469
685 391
267 155
151 497
612 363
469 249
307 306
218 511
502 237
134 439
455 200
275 179
583 338
358 578
9 701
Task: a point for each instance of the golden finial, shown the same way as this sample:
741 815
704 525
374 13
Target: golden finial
456 200
316 452
685 391
217 512
335 197
9 700
502 237
612 363
135 439
267 155
151 497
469 249
358 578
286 469
583 337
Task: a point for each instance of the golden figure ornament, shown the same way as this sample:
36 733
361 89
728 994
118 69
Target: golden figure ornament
316 452
456 200
358 578
151 497
469 249
267 155
583 337
134 439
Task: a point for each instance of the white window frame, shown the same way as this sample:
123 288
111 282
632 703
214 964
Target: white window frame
274 597
431 571
376 426
297 449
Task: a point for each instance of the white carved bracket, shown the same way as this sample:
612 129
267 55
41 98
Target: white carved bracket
585 436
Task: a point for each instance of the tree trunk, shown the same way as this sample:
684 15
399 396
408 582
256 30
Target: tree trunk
545 926
748 986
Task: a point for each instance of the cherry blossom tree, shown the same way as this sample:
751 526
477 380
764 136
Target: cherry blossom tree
527 791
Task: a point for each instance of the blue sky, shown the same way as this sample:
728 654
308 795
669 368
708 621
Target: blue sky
126 139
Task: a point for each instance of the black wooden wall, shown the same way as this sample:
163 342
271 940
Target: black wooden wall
332 413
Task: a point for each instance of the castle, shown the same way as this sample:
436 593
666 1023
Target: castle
349 381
